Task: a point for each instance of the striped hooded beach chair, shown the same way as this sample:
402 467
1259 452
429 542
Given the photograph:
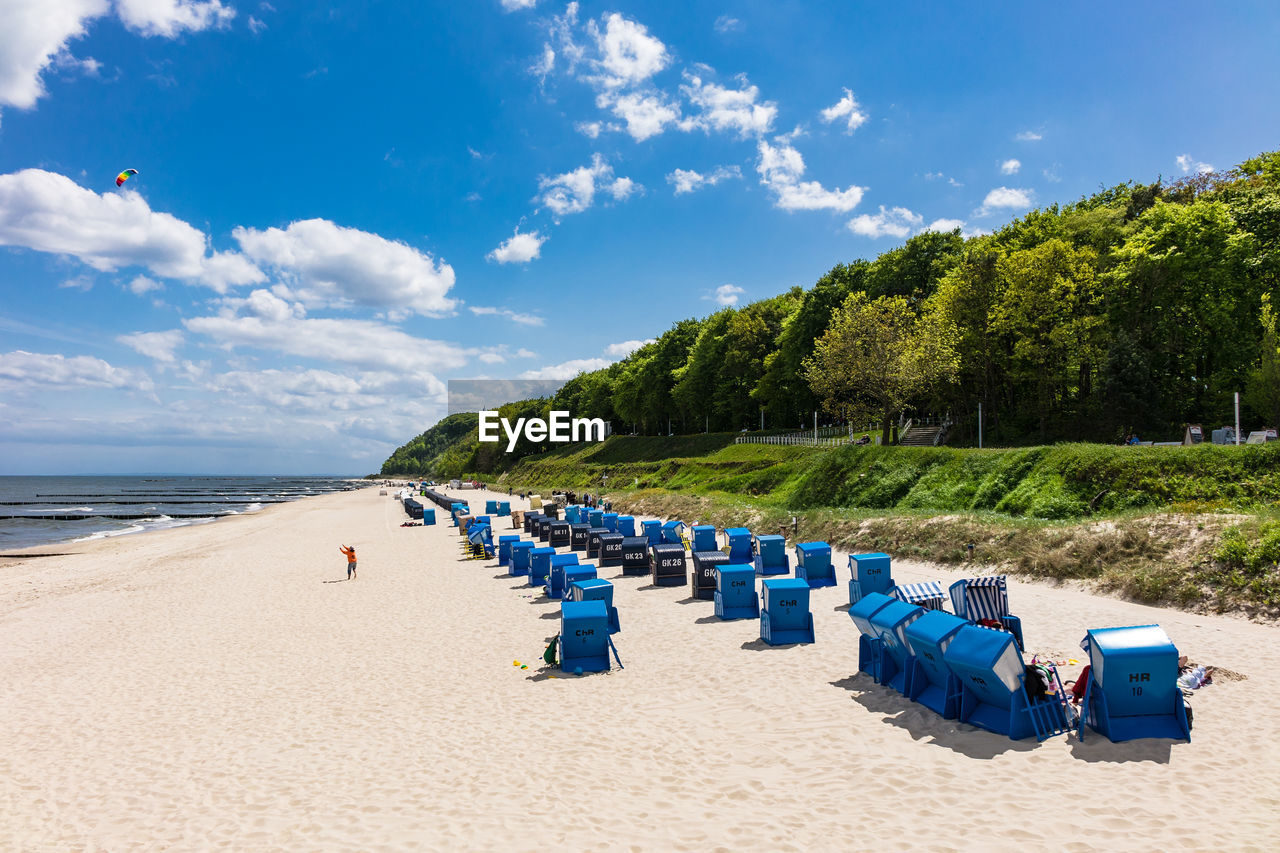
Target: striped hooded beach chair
986 600
928 595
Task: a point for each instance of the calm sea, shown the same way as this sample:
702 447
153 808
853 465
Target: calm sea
46 510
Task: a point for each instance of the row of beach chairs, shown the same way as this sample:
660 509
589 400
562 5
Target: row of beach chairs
965 665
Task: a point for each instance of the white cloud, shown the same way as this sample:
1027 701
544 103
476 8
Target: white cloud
1187 163
37 32
48 212
628 54
520 249
725 24
567 369
522 319
171 18
942 226
328 264
256 26
141 284
1010 167
574 192
515 5
1053 173
645 115
156 345
625 348
545 64
80 282
687 180
21 370
780 170
589 129
1005 197
724 109
268 322
847 108
727 294
1029 136
894 222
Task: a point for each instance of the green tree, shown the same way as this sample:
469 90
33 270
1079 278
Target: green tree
1263 393
877 356
695 381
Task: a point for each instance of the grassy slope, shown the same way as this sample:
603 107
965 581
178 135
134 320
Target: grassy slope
1183 525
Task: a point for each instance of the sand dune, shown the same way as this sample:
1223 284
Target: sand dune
224 687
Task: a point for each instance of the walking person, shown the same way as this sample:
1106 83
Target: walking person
350 551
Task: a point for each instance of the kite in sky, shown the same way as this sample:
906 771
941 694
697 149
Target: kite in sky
124 176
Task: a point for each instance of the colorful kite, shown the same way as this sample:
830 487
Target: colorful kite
124 176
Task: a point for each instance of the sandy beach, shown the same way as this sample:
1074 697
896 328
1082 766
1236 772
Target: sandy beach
224 687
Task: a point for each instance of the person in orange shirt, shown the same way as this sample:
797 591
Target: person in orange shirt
350 551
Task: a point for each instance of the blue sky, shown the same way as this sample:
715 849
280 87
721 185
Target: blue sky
339 210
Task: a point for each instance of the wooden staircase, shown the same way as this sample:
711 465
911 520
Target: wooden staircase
922 436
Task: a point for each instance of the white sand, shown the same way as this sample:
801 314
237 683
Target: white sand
206 688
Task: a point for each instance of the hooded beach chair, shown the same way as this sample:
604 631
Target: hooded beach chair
735 595
890 623
771 555
986 600
739 544
702 580
930 681
993 693
635 555
666 564
673 533
521 554
651 530
480 537
928 594
584 637
868 637
491 507
611 549
784 612
813 564
869 573
556 565
595 589
704 538
1133 685
540 565
593 541
504 549
626 525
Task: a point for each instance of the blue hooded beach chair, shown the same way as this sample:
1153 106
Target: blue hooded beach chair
1133 685
869 573
993 693
813 564
889 623
672 533
771 555
928 594
596 589
930 681
868 637
740 547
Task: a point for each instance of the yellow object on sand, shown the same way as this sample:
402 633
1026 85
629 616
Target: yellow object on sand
515 663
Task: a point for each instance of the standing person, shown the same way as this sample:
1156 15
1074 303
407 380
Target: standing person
350 551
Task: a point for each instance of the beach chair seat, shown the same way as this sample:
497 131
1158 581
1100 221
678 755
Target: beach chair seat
529 519
480 539
985 600
491 507
702 580
595 517
735 595
1132 691
813 564
578 536
626 525
927 594
428 517
609 521
544 528
784 612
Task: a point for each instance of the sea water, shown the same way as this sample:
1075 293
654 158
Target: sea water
49 510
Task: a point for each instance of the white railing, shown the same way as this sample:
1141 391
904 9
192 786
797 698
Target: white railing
835 437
